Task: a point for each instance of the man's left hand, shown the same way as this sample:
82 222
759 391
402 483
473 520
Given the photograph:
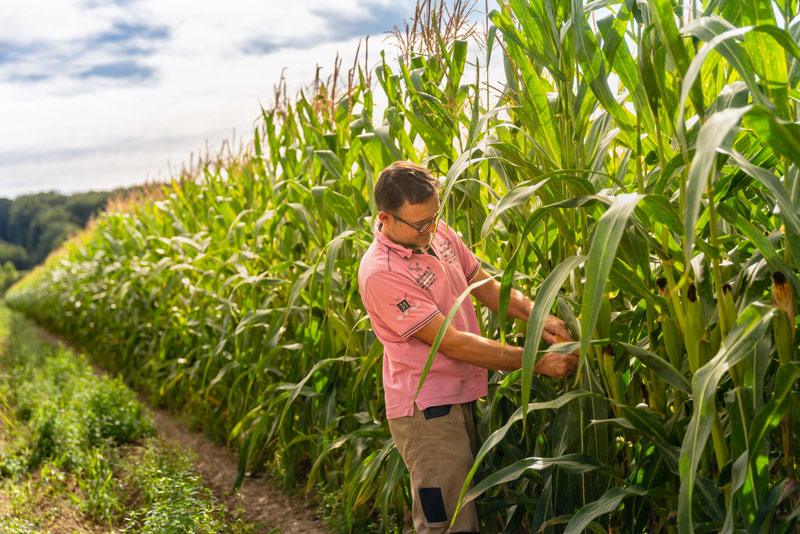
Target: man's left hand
555 331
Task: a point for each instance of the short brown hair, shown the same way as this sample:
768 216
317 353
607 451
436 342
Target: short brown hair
404 181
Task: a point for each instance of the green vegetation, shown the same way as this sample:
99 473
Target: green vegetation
8 275
32 226
639 175
74 445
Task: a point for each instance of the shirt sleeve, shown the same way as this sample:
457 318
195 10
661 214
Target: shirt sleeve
398 304
469 262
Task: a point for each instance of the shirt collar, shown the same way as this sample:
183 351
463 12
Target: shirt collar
404 252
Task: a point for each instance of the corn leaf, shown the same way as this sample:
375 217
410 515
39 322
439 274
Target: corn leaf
737 345
604 505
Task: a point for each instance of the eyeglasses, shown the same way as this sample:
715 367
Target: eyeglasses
422 227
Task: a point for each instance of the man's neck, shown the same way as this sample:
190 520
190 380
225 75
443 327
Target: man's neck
426 250
406 245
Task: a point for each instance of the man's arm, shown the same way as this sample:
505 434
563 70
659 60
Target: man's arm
491 354
519 307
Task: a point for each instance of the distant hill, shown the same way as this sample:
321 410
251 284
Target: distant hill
31 226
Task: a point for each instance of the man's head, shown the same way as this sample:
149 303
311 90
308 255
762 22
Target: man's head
407 197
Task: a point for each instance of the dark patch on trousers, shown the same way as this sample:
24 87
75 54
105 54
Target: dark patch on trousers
436 411
433 504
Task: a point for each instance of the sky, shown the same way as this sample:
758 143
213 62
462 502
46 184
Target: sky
96 94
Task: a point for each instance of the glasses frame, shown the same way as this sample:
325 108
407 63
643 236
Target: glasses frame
422 227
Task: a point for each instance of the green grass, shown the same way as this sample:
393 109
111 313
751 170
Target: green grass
81 446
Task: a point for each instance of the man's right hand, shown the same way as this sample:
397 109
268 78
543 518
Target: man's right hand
557 365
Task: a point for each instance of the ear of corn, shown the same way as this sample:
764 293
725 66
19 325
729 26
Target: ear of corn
635 146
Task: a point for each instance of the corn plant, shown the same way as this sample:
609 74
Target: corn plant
637 173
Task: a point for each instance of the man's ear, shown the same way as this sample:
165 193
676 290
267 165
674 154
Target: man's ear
383 217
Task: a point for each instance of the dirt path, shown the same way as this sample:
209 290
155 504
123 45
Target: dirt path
260 501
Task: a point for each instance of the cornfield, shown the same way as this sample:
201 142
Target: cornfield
637 172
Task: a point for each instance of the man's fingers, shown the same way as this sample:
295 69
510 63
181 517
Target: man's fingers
561 334
549 338
559 365
557 328
556 336
572 361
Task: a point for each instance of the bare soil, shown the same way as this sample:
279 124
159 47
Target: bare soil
259 500
54 513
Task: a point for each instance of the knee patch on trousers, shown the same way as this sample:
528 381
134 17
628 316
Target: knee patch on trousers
432 505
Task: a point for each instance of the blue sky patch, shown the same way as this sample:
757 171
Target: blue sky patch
120 70
123 32
122 45
29 78
270 46
11 52
372 20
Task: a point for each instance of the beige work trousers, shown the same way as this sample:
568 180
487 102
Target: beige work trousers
438 446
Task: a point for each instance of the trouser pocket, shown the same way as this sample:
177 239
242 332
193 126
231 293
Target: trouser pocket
436 411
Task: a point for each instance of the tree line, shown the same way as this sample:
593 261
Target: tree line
31 226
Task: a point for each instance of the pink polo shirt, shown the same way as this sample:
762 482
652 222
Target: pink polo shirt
402 292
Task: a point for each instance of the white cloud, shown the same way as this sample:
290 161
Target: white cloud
72 133
48 20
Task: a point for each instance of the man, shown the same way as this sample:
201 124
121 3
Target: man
409 278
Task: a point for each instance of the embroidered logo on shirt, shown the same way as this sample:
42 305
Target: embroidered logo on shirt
446 251
405 307
426 279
